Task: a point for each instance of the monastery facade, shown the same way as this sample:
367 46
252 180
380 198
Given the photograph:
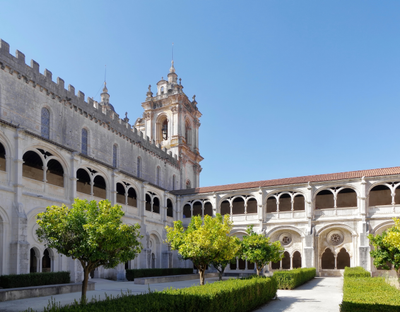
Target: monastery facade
55 145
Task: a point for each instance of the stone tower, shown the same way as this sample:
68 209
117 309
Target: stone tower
172 120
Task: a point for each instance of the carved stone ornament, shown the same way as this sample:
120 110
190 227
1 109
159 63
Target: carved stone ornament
285 239
335 237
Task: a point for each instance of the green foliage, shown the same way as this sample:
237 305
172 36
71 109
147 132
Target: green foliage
34 279
258 249
137 273
233 295
204 241
387 248
91 232
369 294
356 272
293 278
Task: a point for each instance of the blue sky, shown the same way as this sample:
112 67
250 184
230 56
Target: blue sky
286 88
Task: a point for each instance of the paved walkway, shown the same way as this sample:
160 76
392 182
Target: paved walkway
320 294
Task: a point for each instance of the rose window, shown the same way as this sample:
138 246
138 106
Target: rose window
286 240
335 238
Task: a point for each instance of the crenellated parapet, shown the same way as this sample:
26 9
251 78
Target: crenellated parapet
92 110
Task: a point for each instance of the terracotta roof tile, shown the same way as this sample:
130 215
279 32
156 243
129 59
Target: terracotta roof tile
294 180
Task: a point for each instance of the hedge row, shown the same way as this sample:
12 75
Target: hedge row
136 273
293 278
34 279
369 294
230 295
356 272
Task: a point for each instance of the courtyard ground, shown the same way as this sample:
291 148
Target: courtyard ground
320 294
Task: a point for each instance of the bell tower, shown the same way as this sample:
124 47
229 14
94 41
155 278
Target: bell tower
172 120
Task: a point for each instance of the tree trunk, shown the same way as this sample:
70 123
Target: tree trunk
201 272
259 270
220 274
84 284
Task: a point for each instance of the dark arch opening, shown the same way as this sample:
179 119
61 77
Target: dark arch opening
252 205
2 158
132 198
225 208
299 202
83 182
285 202
232 265
286 261
346 198
170 208
380 195
186 211
276 265
120 194
46 261
99 187
271 204
328 260
148 202
296 260
324 199
55 173
343 259
397 196
208 211
242 264
250 265
238 206
33 166
197 209
33 261
156 205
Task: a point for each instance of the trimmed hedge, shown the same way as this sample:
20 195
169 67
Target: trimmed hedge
137 273
356 272
232 295
34 279
369 294
292 278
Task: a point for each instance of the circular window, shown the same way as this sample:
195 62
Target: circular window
335 237
286 240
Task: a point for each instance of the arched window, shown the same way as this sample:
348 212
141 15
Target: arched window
252 205
115 155
46 261
225 207
188 184
343 259
33 261
2 158
170 212
187 213
132 198
197 207
45 123
120 194
238 206
296 261
148 202
285 202
328 260
158 172
298 203
156 205
84 142
139 167
208 209
162 90
164 130
286 261
83 182
33 166
380 195
346 198
99 187
271 204
324 199
55 173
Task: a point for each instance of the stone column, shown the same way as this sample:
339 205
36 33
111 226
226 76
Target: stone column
363 228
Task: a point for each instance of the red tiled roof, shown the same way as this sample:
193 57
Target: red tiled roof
295 180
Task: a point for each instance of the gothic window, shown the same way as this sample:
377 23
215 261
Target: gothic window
83 182
286 261
132 198
328 260
115 155
2 158
165 130
188 184
187 213
33 166
156 205
296 261
55 173
208 209
120 194
99 187
139 167
343 259
45 123
225 207
197 208
170 212
158 172
46 261
84 141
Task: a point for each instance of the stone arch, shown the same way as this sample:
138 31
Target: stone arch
132 196
155 247
225 207
328 259
34 260
208 208
2 157
47 260
33 165
284 228
197 208
187 210
121 193
99 186
336 225
251 204
7 149
285 201
162 128
324 199
346 197
299 202
272 204
296 259
83 183
170 208
238 205
381 227
380 194
286 260
342 259
55 172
